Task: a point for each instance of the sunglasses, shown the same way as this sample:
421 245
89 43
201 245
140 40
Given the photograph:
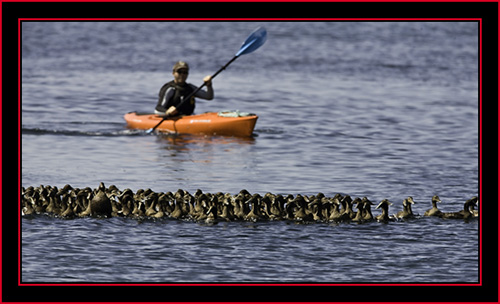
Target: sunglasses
182 72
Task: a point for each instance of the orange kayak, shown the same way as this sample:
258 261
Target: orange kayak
210 123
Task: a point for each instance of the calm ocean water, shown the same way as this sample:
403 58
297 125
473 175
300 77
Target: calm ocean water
376 109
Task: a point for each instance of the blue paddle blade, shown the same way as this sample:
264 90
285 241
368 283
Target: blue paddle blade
253 42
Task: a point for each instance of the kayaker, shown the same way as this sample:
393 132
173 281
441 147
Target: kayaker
172 93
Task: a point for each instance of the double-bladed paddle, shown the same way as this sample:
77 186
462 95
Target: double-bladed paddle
253 42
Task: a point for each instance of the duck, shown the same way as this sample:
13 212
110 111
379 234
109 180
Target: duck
69 212
254 215
54 205
83 197
434 211
211 217
384 205
301 213
406 213
138 209
268 208
475 212
359 214
152 200
126 205
278 206
239 208
197 208
367 214
100 205
29 207
208 208
335 214
177 212
315 207
227 210
462 214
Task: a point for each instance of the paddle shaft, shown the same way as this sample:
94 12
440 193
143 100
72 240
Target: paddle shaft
195 91
204 84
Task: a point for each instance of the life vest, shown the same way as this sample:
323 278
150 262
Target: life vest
180 90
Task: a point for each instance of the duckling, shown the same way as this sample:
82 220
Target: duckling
406 213
115 204
69 212
278 206
346 209
266 204
29 207
475 213
315 206
126 205
151 200
384 205
186 201
239 208
198 206
289 207
177 212
138 209
54 205
335 214
326 206
359 214
209 211
211 217
254 215
300 214
462 214
53 208
82 198
434 211
227 210
367 214
160 210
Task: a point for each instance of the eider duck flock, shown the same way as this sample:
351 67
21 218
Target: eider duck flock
69 202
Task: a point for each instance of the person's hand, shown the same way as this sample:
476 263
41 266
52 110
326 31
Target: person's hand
208 80
171 111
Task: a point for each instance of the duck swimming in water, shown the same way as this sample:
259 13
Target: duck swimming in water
434 211
462 214
254 215
360 205
335 214
406 213
367 210
71 202
384 205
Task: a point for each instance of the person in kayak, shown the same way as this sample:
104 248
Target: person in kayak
172 93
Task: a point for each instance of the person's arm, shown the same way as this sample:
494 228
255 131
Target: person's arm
209 93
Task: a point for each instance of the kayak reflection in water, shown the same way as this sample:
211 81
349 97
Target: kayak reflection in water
172 94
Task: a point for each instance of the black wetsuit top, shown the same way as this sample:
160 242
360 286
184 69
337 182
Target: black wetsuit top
172 94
